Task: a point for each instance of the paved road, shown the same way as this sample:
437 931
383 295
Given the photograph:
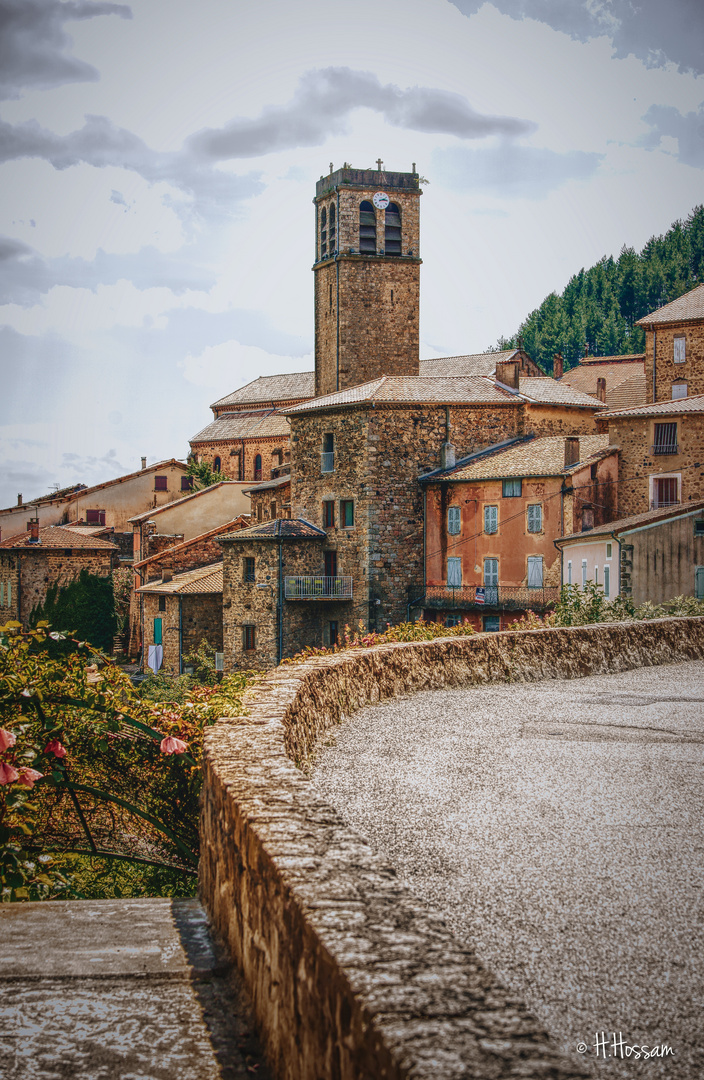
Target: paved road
119 990
559 828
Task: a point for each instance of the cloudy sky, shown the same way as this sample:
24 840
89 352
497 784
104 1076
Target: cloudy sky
158 159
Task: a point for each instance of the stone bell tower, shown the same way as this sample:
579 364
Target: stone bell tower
367 276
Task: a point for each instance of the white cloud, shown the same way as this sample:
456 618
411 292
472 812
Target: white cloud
231 364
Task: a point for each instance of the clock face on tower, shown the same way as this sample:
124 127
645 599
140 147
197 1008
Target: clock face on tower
381 200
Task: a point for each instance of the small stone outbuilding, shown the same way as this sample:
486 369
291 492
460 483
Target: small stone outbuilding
179 612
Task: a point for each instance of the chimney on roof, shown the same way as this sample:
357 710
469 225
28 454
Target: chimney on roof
601 389
558 366
587 517
19 499
508 373
571 450
34 531
144 463
166 575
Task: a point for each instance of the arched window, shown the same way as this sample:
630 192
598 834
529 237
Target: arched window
392 230
217 464
332 229
367 228
323 233
258 467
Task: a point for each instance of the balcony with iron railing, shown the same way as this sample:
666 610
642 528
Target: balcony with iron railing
663 504
318 587
480 597
667 446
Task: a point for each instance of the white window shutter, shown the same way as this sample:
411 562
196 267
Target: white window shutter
453 520
535 572
454 572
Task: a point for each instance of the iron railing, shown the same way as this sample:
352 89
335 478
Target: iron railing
318 588
504 597
663 504
667 447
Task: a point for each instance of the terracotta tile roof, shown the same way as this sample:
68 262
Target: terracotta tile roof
87 530
280 528
689 306
167 507
624 524
547 391
79 490
271 388
404 389
660 408
269 485
55 536
241 522
244 425
206 579
624 375
529 457
472 364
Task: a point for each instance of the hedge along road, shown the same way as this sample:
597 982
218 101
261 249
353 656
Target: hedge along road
558 827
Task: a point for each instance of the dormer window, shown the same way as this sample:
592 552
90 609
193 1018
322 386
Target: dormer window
367 228
392 230
323 233
332 229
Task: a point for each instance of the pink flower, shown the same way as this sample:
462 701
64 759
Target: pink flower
7 739
170 745
29 777
8 773
54 747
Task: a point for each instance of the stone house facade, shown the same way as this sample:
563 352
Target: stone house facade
173 553
661 449
653 556
30 564
271 499
268 572
491 522
674 348
181 611
244 445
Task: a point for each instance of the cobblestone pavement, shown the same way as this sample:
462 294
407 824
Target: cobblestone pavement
119 990
558 826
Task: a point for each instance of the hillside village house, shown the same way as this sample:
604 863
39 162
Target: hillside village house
178 613
492 519
652 556
271 499
661 452
618 381
111 503
674 348
30 564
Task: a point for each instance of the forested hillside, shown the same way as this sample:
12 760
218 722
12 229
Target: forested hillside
600 306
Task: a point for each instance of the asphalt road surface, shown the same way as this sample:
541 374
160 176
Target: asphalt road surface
558 827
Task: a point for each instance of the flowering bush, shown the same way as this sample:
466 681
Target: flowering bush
88 767
406 631
580 607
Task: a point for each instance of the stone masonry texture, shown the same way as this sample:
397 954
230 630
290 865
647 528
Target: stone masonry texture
31 575
667 371
351 976
635 436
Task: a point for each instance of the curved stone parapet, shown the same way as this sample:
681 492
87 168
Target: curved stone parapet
350 975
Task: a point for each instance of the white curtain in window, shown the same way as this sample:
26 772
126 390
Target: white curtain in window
454 572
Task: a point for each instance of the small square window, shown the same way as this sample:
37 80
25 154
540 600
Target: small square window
491 624
699 528
491 519
186 483
679 391
511 489
248 569
347 513
249 638
329 514
454 520
535 518
160 483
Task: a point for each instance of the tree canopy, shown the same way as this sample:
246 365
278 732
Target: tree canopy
600 306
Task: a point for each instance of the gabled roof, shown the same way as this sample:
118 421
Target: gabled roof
689 306
178 548
252 424
524 457
166 507
546 391
206 579
55 536
624 525
278 529
660 408
624 375
268 389
80 490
